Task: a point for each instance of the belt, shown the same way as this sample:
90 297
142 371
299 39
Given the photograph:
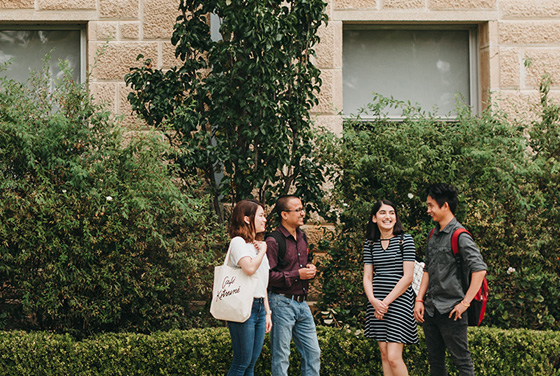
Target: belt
297 298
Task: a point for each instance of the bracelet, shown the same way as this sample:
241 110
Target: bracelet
420 300
465 304
269 312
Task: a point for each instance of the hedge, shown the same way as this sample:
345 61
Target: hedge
208 352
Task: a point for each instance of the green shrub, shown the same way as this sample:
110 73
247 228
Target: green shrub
96 234
199 352
509 196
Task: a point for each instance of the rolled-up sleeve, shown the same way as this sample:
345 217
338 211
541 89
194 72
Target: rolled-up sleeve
472 258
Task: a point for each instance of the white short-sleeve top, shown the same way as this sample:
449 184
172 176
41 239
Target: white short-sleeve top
239 249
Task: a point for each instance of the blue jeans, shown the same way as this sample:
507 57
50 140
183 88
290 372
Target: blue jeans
441 332
291 319
247 340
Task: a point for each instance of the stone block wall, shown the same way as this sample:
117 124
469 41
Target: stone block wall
123 28
518 43
519 40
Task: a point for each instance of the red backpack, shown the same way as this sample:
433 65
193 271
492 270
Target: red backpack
476 310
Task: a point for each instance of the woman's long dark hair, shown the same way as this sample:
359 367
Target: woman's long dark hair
237 224
372 230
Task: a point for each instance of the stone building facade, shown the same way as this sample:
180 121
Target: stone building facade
511 43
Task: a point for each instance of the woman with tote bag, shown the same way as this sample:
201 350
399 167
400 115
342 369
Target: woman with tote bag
247 250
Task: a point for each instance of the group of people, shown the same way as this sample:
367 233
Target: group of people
280 307
441 303
284 266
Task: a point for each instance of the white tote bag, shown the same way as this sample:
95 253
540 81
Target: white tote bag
232 294
417 278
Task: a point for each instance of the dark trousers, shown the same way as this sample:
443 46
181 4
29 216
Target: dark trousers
441 332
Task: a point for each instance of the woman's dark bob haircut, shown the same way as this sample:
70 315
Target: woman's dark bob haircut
372 230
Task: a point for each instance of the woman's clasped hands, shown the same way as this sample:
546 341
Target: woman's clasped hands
380 308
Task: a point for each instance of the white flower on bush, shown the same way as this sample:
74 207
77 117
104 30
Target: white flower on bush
511 270
410 196
108 198
64 191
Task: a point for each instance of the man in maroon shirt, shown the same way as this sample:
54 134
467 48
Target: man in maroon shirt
290 273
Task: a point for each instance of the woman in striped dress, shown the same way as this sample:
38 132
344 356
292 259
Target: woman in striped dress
390 314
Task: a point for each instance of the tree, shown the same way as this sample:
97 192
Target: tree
237 110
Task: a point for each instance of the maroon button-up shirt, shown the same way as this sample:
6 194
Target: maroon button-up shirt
286 280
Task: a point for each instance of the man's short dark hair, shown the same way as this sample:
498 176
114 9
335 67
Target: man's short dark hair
442 193
282 204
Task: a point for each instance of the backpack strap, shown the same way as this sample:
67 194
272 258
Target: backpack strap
455 240
458 259
401 246
281 241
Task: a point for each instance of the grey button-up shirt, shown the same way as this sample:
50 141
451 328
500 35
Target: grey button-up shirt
445 290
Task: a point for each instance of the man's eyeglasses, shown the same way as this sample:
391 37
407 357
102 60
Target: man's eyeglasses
298 210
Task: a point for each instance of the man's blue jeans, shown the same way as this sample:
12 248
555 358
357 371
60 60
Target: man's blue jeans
442 332
247 340
291 319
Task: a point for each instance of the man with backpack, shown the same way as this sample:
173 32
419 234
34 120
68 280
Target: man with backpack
442 302
290 272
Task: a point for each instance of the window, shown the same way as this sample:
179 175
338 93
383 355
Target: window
26 48
215 23
431 66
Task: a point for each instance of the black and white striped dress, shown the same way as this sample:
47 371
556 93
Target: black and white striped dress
398 324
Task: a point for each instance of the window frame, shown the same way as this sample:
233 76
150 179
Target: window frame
473 58
82 28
